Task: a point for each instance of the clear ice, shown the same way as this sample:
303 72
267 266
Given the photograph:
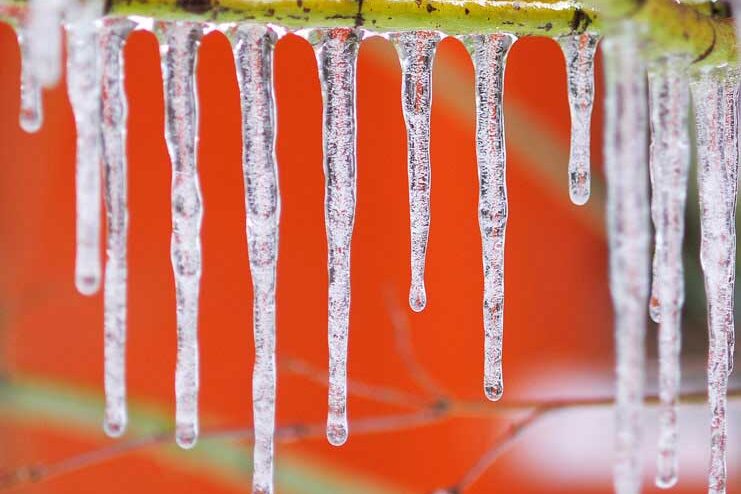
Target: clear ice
112 37
253 46
336 52
715 95
579 51
669 166
83 88
179 42
416 52
31 115
43 27
626 169
489 55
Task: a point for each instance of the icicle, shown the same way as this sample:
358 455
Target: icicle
83 87
179 43
31 116
628 233
336 52
113 34
669 166
253 55
715 95
416 52
489 55
579 50
45 39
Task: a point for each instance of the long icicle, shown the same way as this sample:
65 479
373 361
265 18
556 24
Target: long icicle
579 51
83 87
416 52
113 34
715 95
628 233
489 55
179 42
336 53
31 115
669 166
253 46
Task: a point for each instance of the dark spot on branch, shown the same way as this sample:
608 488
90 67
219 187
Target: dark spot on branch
710 49
546 27
638 7
107 6
194 6
270 12
580 22
430 8
306 10
359 20
466 11
418 2
299 3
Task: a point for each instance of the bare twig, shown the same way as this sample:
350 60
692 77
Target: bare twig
403 337
32 474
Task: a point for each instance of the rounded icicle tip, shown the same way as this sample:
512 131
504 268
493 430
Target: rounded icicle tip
337 432
114 426
579 188
186 435
494 392
87 284
417 297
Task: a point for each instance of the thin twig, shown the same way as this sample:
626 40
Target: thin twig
403 338
33 474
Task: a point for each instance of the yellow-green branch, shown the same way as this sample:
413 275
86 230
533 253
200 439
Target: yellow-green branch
702 30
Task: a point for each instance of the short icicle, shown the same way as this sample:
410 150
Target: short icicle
253 46
31 114
669 166
416 52
715 95
43 28
83 87
489 55
626 169
579 51
179 42
336 52
112 37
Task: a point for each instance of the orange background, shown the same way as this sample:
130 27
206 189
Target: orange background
558 322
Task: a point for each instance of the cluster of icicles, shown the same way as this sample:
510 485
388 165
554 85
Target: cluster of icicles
96 92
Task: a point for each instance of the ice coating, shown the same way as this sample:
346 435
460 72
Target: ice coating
626 169
579 51
715 95
416 52
336 52
179 42
31 115
83 88
489 55
669 166
43 27
253 55
113 34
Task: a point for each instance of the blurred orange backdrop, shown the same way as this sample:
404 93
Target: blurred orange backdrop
558 320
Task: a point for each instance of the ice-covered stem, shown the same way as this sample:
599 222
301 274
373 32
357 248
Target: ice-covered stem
700 31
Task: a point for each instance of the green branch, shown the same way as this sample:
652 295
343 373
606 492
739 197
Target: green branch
701 30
